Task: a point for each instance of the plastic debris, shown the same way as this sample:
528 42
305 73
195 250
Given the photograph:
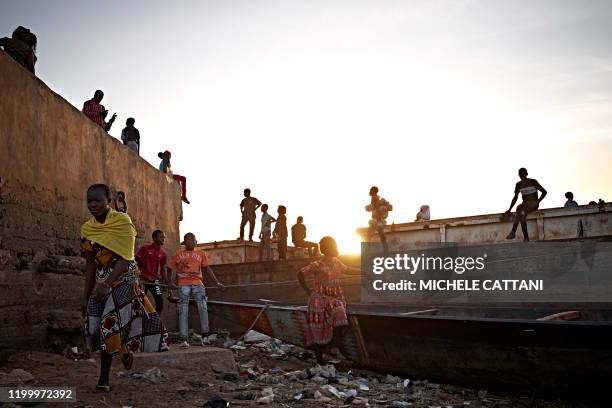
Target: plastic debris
216 402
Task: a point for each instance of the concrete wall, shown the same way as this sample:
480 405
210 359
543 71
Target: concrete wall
234 251
50 153
587 221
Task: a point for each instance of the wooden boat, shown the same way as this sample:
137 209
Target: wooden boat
550 351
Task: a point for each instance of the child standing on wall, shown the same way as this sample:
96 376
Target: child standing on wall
190 264
265 250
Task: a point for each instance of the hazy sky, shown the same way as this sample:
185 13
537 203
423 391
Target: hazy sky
309 103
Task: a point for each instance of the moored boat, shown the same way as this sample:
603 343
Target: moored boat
547 350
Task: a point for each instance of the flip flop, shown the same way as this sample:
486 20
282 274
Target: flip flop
127 360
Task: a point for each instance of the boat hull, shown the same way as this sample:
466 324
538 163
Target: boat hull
514 355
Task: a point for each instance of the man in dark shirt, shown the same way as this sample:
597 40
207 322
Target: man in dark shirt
529 191
298 237
152 264
130 136
248 208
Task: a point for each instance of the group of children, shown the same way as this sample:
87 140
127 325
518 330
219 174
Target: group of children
249 206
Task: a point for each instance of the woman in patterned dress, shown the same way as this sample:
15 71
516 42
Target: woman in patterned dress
326 318
119 319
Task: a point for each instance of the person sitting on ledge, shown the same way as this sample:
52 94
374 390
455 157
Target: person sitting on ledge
298 237
21 47
165 167
96 111
529 190
570 203
424 214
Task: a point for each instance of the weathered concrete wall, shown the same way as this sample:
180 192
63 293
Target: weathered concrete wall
50 154
586 221
234 251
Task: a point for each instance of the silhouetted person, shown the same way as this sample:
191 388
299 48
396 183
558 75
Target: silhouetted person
96 111
379 207
529 190
248 206
130 136
280 231
120 203
424 214
298 237
165 167
21 47
570 203
265 250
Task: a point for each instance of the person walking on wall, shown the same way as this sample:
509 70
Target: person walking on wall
528 188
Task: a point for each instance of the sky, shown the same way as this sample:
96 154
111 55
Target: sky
309 103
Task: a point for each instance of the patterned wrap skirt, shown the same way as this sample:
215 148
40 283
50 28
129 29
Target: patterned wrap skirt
325 312
125 323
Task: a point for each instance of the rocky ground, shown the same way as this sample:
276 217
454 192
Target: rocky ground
267 373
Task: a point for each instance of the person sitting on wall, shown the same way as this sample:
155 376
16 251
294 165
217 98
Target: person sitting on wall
130 136
298 237
165 167
21 47
529 190
570 203
96 111
424 214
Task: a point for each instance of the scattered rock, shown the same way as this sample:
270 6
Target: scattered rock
16 376
253 336
320 397
153 375
330 391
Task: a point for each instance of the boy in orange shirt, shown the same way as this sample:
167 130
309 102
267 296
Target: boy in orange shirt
189 265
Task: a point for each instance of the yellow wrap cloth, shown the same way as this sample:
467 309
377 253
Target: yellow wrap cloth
116 234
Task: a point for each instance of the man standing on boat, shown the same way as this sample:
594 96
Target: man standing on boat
529 190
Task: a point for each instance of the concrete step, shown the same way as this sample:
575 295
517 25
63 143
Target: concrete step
195 357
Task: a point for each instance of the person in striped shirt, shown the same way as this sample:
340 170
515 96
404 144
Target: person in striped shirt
529 191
